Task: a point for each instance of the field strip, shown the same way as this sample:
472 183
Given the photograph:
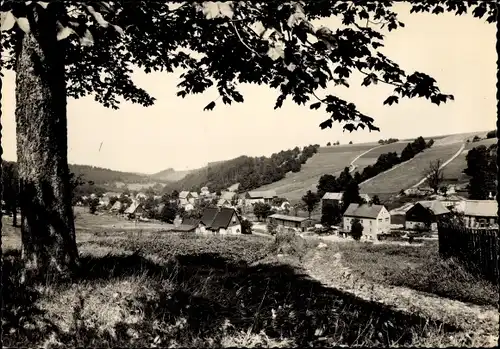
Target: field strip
351 165
443 165
482 320
387 171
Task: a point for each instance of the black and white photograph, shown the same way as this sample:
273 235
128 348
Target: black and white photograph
252 174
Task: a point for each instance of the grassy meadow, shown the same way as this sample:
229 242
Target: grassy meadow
145 287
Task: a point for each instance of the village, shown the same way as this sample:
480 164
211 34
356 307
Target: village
224 213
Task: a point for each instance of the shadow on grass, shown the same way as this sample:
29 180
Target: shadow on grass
209 292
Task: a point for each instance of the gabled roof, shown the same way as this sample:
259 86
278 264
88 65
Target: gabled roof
223 202
363 211
288 218
228 195
208 216
403 209
183 194
436 207
183 201
234 187
116 206
366 197
191 221
481 208
332 196
132 208
269 194
223 218
194 194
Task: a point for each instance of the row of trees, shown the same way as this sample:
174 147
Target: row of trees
388 141
482 169
250 172
330 144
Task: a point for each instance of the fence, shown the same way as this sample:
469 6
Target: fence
477 249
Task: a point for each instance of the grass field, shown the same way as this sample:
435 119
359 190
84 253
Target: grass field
409 173
453 171
328 160
144 288
371 157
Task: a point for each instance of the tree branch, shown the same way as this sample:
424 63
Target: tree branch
241 40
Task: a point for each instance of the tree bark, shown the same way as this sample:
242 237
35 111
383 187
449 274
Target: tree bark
47 221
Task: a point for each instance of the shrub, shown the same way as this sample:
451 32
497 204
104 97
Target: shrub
356 230
272 228
246 227
491 134
289 243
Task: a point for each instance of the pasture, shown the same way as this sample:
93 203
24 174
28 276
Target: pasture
146 288
453 171
328 160
405 175
371 157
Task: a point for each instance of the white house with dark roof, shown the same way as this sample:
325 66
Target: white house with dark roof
375 219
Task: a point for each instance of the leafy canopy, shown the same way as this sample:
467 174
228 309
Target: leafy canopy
222 44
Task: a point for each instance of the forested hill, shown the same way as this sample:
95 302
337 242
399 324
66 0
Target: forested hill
101 176
250 172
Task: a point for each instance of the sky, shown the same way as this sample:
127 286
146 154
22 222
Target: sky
458 51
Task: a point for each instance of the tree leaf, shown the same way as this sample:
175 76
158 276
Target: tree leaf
24 24
119 29
98 17
87 39
326 123
315 105
209 106
225 9
276 52
7 20
391 99
210 9
43 4
64 32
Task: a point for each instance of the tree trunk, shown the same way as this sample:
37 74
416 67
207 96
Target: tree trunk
14 214
47 222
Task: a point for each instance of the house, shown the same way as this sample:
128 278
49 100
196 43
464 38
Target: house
227 198
194 197
424 215
480 213
135 210
234 187
452 202
141 196
398 215
253 197
331 198
286 221
224 203
375 219
111 194
104 201
336 198
219 221
185 195
117 206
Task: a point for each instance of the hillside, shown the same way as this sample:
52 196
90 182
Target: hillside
453 171
171 175
101 176
249 172
410 173
328 160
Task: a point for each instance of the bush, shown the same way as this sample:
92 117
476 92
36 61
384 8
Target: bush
491 134
246 227
289 243
356 230
272 228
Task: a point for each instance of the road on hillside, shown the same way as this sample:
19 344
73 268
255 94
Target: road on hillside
443 165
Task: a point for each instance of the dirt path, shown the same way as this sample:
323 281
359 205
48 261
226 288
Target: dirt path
479 322
352 167
444 164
